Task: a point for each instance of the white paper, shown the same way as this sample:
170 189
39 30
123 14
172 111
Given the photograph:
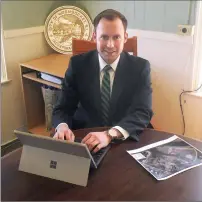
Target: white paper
168 157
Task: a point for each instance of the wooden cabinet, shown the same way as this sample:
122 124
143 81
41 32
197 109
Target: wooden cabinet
53 64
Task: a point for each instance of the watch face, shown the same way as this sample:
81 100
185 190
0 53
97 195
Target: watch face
112 133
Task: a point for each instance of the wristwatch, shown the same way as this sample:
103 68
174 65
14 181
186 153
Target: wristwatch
112 134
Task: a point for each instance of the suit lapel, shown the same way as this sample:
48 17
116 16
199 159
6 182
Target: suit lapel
94 76
118 84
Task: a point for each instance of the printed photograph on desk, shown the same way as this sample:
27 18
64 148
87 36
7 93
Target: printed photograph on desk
167 158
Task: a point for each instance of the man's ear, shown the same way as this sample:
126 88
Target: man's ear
125 37
94 36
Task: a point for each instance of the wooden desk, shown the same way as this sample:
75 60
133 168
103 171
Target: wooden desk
53 64
119 177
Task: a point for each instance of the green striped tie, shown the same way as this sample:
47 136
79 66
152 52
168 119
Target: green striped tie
105 95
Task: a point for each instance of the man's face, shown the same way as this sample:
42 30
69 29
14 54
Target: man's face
110 37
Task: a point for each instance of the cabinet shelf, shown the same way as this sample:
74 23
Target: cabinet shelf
40 130
32 76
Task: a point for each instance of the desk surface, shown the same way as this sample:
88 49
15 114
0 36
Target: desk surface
119 177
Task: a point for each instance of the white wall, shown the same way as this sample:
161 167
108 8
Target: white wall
193 114
170 56
20 46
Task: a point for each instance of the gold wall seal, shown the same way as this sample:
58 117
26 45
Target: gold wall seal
65 23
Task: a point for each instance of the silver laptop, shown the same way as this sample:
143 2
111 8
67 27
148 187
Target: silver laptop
57 159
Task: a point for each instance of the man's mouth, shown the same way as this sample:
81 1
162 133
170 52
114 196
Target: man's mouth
110 52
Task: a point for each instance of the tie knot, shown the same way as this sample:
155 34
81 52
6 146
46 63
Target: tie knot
107 68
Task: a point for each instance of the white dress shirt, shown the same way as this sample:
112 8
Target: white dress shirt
111 73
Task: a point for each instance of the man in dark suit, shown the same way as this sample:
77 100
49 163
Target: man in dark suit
105 87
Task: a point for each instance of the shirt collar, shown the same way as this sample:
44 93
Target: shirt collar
103 63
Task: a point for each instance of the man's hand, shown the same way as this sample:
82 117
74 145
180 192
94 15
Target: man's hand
96 140
64 133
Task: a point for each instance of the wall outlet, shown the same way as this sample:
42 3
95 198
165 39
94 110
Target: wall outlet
185 30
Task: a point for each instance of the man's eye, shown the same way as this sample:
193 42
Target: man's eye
104 37
117 37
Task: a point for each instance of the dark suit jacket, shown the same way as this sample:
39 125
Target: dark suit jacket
131 99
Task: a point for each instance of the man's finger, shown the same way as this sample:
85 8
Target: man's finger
55 136
90 140
61 136
73 136
67 135
99 146
86 138
93 144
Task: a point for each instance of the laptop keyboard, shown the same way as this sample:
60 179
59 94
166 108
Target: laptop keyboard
98 156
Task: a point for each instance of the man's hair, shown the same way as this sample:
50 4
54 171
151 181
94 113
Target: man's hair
110 14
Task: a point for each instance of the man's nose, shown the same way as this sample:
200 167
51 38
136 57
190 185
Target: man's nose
110 43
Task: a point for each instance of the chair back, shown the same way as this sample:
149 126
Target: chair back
81 46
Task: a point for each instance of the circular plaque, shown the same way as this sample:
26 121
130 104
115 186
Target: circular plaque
65 23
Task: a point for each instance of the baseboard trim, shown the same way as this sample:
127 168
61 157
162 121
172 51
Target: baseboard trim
10 146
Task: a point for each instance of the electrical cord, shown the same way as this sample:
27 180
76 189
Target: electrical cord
191 91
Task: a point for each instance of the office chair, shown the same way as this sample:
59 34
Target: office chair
81 46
